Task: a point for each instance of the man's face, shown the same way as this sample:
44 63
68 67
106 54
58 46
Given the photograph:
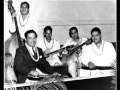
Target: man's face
74 34
31 39
48 34
96 37
24 9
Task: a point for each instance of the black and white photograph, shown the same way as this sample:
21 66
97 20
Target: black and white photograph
60 45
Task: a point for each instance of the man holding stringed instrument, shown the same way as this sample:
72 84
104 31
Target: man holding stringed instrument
19 24
51 47
24 19
71 59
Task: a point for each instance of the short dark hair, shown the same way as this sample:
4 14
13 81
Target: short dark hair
26 4
72 29
30 31
46 28
96 29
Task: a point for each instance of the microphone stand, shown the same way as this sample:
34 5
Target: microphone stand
78 62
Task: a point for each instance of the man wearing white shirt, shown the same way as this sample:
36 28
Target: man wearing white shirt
24 19
24 22
75 39
99 54
48 44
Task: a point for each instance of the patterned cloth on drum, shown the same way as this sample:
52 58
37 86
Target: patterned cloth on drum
53 86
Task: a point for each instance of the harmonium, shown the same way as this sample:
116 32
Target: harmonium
98 82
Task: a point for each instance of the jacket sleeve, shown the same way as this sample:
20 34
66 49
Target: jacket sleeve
20 64
45 65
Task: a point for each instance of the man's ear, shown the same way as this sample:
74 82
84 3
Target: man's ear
44 34
25 40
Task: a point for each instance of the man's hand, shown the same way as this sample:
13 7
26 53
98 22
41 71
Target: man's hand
65 52
79 52
89 41
56 74
34 73
45 55
83 65
14 14
91 65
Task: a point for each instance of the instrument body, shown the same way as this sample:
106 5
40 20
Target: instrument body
73 51
15 40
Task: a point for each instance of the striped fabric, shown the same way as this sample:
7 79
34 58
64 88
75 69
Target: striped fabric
51 82
53 86
47 86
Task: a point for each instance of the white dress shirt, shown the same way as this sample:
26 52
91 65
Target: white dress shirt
26 24
30 49
105 55
48 47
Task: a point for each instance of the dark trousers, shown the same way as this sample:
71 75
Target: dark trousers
63 70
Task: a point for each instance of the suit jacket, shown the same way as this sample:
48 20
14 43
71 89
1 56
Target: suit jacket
24 64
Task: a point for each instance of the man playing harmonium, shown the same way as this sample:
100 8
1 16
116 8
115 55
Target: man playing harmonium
99 57
30 59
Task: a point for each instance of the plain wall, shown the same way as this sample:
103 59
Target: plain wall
84 14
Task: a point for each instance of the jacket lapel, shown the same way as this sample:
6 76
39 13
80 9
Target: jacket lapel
26 54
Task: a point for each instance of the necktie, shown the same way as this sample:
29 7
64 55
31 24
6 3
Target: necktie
35 54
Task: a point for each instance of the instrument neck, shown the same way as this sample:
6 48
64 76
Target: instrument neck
18 34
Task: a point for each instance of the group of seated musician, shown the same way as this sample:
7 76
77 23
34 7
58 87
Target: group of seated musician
95 57
77 57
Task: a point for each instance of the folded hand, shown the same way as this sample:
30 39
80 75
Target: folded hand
34 73
91 65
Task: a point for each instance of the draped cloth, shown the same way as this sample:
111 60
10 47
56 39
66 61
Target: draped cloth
47 86
53 86
51 82
48 82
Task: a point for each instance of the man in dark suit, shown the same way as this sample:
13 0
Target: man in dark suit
30 57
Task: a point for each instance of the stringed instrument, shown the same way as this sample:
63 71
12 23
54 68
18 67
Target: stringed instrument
59 50
12 10
15 40
74 50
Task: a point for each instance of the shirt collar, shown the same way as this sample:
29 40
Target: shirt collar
29 47
47 41
100 45
72 40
